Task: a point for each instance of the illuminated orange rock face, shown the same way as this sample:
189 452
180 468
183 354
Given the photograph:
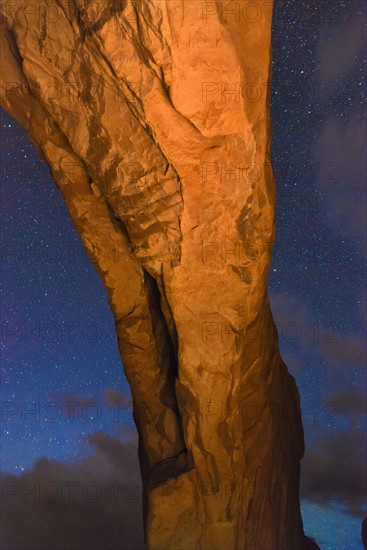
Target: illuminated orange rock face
154 118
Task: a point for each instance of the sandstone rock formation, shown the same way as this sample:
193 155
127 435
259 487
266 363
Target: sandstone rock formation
154 118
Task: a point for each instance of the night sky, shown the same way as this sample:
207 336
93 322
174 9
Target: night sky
66 412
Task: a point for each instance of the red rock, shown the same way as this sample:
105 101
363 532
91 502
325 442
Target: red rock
154 118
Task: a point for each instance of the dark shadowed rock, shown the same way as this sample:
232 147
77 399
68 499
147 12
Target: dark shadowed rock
310 544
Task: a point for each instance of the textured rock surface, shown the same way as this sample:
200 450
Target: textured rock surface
154 119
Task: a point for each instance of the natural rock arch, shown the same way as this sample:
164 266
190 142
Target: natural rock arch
162 154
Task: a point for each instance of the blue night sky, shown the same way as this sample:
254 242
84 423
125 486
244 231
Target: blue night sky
59 350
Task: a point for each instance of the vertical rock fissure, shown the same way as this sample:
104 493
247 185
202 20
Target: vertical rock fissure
169 466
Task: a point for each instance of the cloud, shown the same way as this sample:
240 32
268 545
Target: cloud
334 473
340 148
332 469
112 404
350 402
91 504
341 154
341 45
345 349
115 397
300 333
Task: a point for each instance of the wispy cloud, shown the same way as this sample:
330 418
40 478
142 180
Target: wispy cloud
91 504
